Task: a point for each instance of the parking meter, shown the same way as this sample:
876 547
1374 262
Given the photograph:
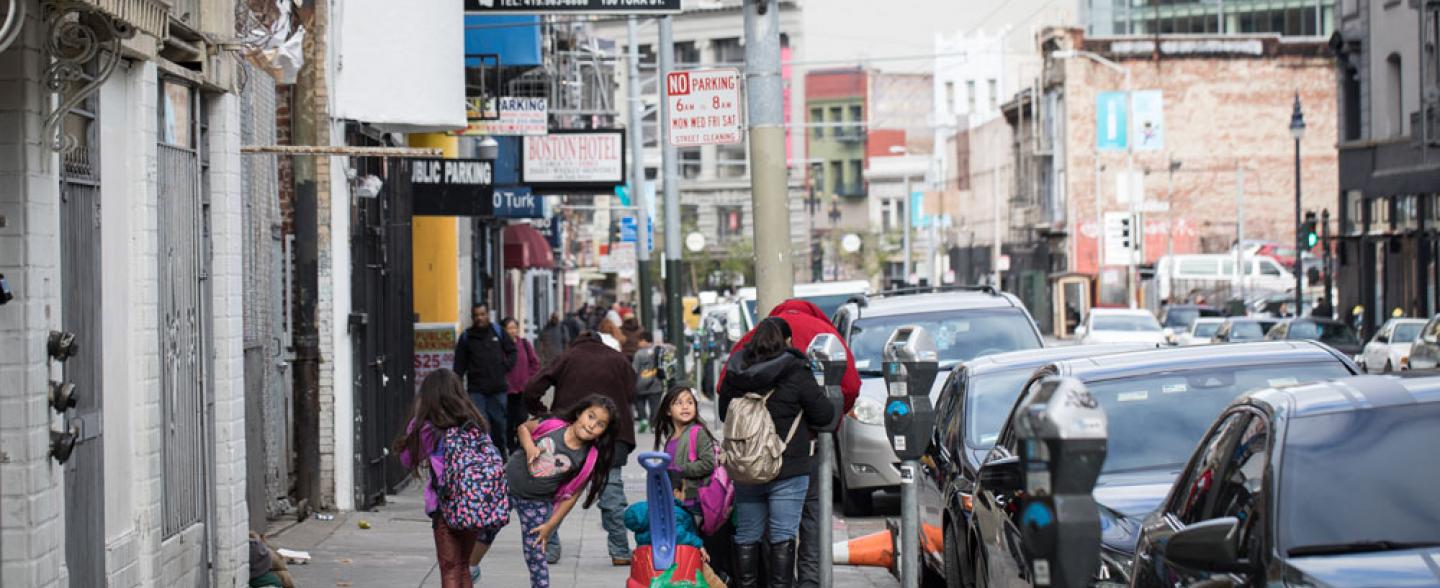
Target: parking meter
828 359
910 365
1062 434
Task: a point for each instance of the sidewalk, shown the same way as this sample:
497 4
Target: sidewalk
399 550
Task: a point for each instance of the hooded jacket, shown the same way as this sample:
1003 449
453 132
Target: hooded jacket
796 396
806 321
483 356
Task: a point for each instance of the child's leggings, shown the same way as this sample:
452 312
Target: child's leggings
533 513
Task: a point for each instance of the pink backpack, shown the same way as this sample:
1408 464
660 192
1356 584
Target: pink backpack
717 498
573 486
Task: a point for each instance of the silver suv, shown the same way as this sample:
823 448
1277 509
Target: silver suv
965 322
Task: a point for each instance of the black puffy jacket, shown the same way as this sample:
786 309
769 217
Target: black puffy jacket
796 396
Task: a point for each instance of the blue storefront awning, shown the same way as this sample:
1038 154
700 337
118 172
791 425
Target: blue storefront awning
515 38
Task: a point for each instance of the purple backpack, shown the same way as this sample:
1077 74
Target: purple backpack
473 492
717 498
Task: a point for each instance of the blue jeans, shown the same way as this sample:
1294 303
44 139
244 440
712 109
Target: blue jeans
777 504
494 407
612 515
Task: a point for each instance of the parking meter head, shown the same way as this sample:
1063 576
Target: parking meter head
828 360
911 362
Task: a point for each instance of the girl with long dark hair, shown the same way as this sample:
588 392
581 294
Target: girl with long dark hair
440 405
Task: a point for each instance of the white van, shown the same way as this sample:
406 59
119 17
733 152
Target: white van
1259 273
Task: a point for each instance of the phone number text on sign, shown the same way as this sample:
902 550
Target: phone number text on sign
704 107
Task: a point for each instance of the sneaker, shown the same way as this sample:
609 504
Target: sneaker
620 561
474 574
644 426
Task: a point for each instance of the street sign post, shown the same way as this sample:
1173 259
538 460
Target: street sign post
704 107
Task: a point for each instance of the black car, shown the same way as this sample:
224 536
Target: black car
1243 330
971 406
1158 405
1318 485
1328 331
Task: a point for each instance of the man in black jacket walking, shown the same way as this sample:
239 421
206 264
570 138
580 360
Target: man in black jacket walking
483 356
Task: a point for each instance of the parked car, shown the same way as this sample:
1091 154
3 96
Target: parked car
1119 325
1328 331
1179 316
720 328
1200 331
1242 330
1425 351
965 323
1389 350
1158 405
829 296
1318 485
972 404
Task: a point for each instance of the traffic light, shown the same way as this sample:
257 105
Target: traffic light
1308 236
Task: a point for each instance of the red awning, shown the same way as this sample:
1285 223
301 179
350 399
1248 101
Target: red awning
526 248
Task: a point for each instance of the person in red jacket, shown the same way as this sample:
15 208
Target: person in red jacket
806 321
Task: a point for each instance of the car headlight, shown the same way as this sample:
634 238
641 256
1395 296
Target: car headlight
868 411
1114 570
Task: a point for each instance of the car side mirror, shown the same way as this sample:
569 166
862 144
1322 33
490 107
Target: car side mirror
1002 475
1210 546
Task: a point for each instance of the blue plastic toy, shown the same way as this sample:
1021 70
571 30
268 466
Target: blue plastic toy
662 517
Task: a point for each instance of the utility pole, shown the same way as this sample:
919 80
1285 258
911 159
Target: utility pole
1170 227
1297 131
906 215
637 180
1241 271
674 309
1325 242
995 212
309 129
774 272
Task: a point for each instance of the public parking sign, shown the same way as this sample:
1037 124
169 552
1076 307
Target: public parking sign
704 107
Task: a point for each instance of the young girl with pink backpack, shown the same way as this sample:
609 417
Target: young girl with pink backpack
695 457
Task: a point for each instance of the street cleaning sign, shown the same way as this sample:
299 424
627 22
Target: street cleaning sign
704 107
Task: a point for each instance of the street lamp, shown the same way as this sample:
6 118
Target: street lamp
1133 274
1297 131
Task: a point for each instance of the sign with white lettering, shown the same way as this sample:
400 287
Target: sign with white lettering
518 202
704 107
450 187
573 6
517 116
581 160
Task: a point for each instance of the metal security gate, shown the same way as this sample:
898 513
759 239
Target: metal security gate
184 326
382 320
80 314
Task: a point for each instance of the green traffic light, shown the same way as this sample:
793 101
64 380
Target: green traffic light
1311 240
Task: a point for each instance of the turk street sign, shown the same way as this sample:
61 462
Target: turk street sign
450 187
573 6
704 107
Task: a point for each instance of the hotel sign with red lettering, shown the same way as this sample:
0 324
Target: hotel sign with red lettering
578 160
704 107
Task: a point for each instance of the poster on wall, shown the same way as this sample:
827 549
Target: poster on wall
1110 121
507 116
579 160
1147 108
434 349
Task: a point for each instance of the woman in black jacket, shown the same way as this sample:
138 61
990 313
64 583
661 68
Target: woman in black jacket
768 363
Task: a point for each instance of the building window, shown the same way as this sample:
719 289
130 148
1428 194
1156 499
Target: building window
1396 86
1350 94
837 176
994 94
857 168
689 216
729 222
690 162
950 98
970 96
886 216
857 121
817 178
687 54
728 51
837 118
817 118
730 160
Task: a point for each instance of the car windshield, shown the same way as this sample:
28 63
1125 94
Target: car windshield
1406 332
1125 322
1361 476
987 402
828 303
1248 330
1179 318
1206 329
1328 333
959 335
1186 401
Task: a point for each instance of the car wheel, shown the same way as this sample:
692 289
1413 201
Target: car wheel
855 503
953 575
982 571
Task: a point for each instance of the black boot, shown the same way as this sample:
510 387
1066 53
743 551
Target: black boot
782 564
747 565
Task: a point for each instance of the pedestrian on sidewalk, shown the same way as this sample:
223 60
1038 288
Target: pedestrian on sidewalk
806 321
591 367
631 329
770 367
553 340
483 356
678 429
527 364
441 405
650 385
558 456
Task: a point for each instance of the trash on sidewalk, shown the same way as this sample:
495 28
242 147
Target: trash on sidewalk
363 524
293 556
876 549
320 516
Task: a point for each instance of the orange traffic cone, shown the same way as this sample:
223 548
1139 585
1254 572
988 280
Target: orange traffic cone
875 549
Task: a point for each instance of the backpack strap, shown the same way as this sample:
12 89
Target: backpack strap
548 426
694 440
573 486
794 425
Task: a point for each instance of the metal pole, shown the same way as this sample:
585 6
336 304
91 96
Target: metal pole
1099 224
1170 229
1325 242
909 526
637 179
674 308
826 455
1137 239
1240 269
905 215
774 271
1299 241
995 216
